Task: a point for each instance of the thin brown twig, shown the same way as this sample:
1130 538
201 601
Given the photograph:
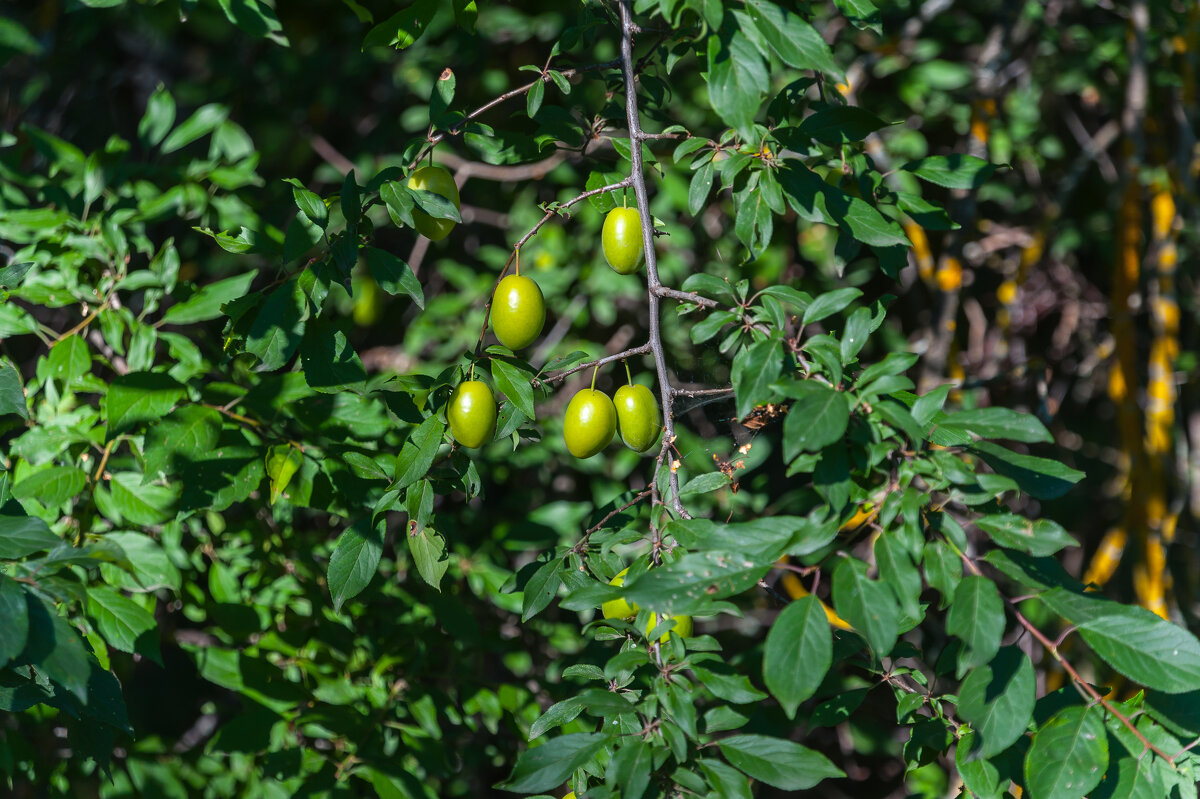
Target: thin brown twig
1083 684
581 545
685 296
644 349
435 139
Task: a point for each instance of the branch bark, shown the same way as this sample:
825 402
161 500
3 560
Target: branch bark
654 286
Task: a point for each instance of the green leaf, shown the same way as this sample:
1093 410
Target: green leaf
725 683
687 585
354 560
631 766
418 453
1039 477
279 326
1069 754
1144 647
14 620
393 275
428 550
549 765
979 775
55 648
817 418
1039 538
704 484
997 700
736 79
952 171
466 14
402 28
699 188
533 100
156 122
187 435
282 463
24 535
69 360
998 423
142 504
310 204
792 38
515 385
558 714
541 589
206 303
754 370
765 538
204 121
124 623
139 397
840 124
330 364
728 781
783 764
829 303
798 653
149 566
896 568
867 605
976 617
51 487
11 275
12 393
943 569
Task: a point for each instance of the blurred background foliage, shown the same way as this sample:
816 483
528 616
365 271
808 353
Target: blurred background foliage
1070 291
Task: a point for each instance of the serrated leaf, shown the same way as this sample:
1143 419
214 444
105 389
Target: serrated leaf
795 41
997 700
51 487
549 765
12 393
1144 647
798 653
124 623
279 326
1069 754
1040 477
428 550
818 417
1039 537
956 171
139 397
976 617
754 370
354 561
14 619
393 275
867 605
207 301
515 385
688 584
778 762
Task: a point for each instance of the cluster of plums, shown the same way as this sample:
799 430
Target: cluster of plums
518 314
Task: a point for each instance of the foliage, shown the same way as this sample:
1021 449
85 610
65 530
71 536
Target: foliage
242 555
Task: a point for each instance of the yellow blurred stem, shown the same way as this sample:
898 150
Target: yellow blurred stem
796 590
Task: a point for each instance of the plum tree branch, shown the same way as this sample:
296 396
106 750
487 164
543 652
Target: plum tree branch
654 286
619 356
437 138
1052 648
